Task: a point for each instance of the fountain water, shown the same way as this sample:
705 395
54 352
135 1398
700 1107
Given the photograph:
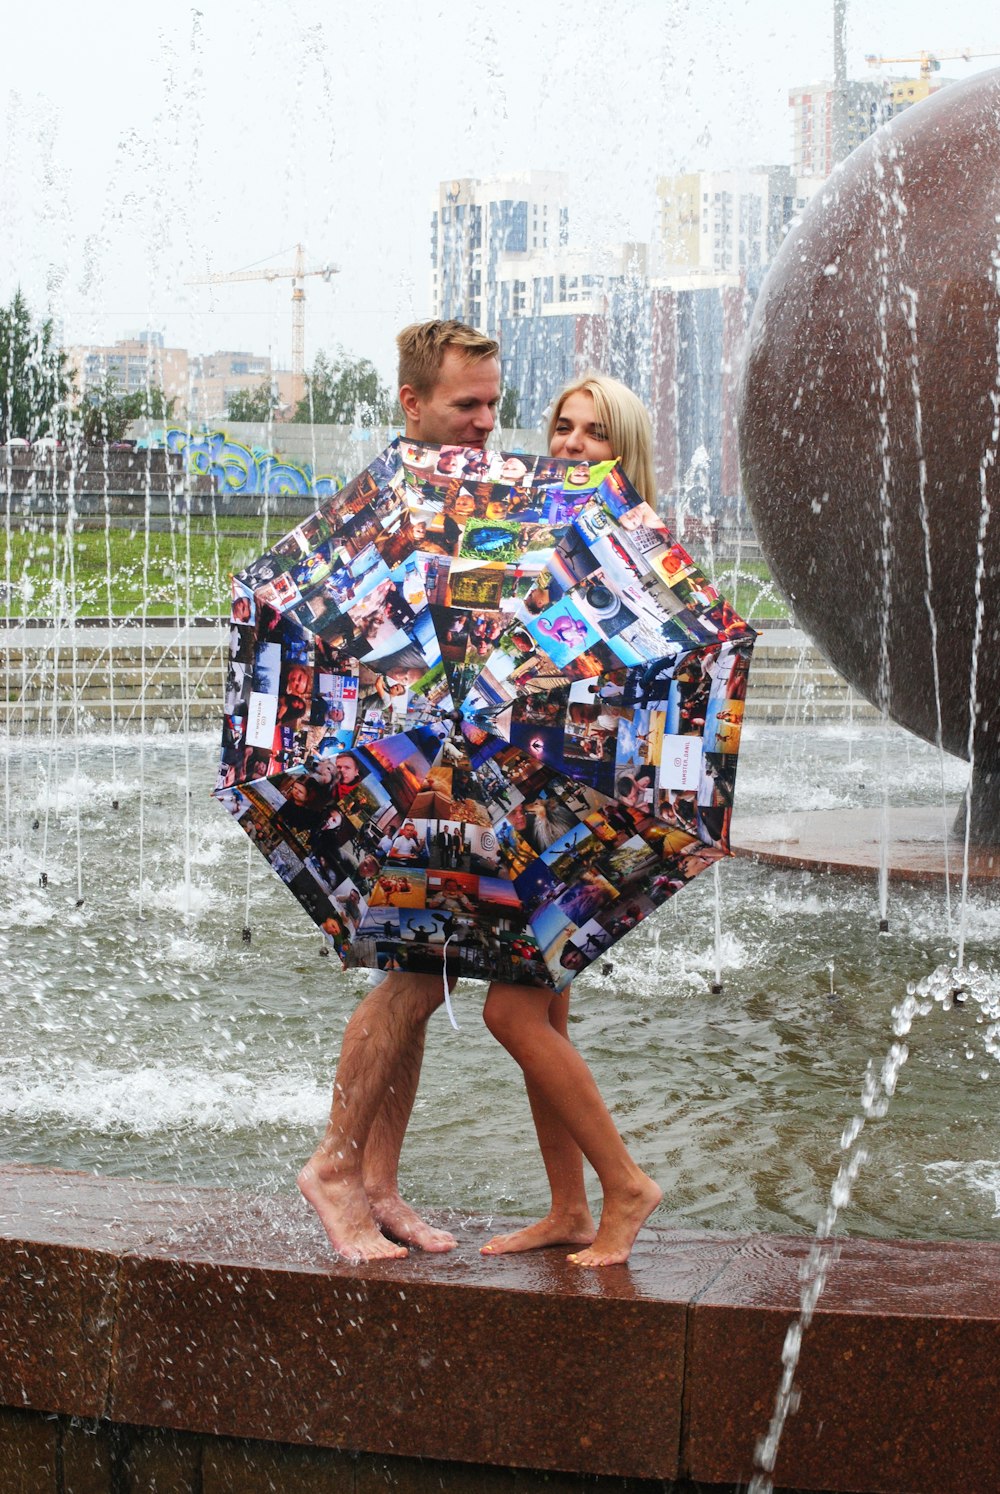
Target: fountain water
176 1048
839 311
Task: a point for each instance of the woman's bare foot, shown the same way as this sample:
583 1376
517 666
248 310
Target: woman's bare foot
562 1229
621 1220
402 1223
342 1206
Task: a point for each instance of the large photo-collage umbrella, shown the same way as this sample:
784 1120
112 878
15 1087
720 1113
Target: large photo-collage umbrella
482 707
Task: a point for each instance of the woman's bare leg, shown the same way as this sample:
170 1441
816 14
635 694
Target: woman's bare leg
569 1220
518 1017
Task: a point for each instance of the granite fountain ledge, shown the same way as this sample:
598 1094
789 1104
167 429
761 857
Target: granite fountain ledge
203 1311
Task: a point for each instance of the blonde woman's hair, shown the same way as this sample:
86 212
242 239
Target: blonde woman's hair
422 346
624 418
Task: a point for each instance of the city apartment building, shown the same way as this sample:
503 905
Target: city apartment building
553 317
482 234
201 384
727 222
715 222
870 103
500 259
135 363
216 377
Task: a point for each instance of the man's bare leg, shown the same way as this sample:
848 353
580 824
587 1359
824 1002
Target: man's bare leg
381 1029
518 1017
380 1163
569 1220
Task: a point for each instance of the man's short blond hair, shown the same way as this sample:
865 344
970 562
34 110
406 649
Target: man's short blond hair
422 346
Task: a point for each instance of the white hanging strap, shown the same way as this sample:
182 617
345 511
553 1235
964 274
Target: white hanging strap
444 982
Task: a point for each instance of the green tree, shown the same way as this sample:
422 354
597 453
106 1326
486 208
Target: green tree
155 405
343 391
107 410
34 380
252 404
507 414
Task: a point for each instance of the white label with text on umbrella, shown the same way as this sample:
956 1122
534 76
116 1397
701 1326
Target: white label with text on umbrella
262 714
680 762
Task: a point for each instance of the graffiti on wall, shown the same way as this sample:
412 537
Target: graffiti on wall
243 470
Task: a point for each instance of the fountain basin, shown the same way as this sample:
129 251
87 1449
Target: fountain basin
212 1313
849 841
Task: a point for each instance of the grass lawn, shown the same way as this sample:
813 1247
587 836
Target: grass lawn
752 593
188 571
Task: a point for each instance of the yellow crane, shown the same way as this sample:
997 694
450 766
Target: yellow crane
930 62
296 273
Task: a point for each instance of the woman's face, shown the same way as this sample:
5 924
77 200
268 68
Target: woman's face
578 435
298 681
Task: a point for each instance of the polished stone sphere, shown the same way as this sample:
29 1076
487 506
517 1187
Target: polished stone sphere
869 424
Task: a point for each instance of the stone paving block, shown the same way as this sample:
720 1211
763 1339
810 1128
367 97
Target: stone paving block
87 1458
62 1235
159 1462
409 1476
256 1468
243 1326
56 1318
897 1370
29 1453
92 1213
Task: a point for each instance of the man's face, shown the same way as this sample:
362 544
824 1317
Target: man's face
347 770
460 410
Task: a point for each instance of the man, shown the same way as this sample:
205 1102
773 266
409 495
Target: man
449 389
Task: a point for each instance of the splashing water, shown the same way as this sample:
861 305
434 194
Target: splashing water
945 986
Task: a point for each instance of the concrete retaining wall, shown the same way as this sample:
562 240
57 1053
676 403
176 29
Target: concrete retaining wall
178 674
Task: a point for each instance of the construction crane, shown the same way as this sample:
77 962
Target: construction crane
930 62
297 273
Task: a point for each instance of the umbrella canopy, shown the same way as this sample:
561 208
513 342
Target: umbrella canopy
482 706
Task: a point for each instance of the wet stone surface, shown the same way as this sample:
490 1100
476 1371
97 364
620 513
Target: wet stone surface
205 1313
849 840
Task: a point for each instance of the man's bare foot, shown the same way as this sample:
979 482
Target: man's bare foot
400 1222
576 1229
342 1205
621 1220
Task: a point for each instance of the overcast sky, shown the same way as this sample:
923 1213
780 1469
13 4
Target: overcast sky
144 146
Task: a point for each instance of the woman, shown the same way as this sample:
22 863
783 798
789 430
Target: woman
598 419
594 420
